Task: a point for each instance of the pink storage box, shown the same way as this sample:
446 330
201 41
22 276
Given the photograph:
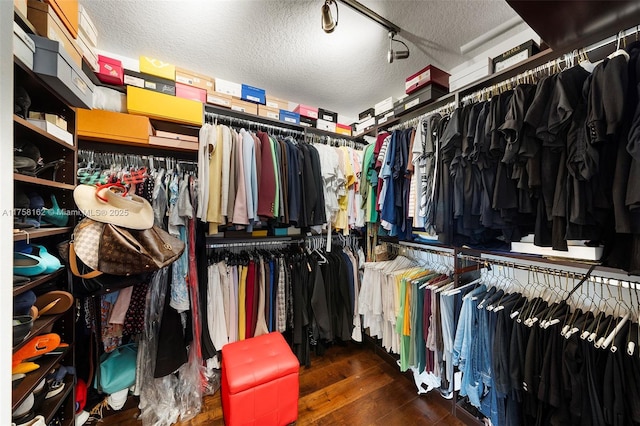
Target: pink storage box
307 111
110 71
191 92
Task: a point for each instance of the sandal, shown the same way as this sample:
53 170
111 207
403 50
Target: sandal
55 165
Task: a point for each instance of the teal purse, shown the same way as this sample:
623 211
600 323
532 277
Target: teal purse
118 368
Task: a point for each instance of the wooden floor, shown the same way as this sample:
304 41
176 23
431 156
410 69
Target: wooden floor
349 385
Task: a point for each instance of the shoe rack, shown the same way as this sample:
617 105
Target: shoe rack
56 180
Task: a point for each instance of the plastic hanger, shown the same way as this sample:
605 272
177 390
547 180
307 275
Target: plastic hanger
620 52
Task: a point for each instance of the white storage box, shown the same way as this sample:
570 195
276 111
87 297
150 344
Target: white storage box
87 27
384 106
88 52
228 88
23 46
329 126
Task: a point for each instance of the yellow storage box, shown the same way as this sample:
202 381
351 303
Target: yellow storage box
163 107
158 68
116 127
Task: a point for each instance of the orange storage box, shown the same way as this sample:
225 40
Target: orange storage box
116 127
68 12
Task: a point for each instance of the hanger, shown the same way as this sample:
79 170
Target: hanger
621 37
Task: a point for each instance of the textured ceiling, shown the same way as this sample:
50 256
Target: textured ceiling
280 46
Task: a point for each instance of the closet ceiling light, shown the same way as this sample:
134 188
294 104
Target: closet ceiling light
328 24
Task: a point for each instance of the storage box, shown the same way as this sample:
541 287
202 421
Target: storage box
308 122
329 126
111 71
427 75
515 55
88 53
343 129
150 82
428 94
53 130
307 111
116 127
268 112
228 87
54 119
289 116
128 63
87 27
158 68
54 65
219 99
365 125
366 114
384 117
326 115
253 94
177 136
47 23
191 92
163 107
194 79
67 11
21 7
384 106
277 103
23 46
576 250
173 143
244 106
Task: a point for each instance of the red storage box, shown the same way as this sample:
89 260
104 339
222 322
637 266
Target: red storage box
427 75
191 92
260 384
110 71
307 111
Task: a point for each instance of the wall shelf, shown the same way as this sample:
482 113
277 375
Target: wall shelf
31 234
23 125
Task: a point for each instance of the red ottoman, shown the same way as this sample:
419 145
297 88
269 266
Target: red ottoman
259 382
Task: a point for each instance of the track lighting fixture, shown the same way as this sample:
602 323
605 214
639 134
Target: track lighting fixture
396 54
328 24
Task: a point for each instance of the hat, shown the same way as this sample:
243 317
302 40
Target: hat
54 302
107 205
21 328
23 302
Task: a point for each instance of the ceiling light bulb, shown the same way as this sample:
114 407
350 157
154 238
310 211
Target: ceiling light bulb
328 24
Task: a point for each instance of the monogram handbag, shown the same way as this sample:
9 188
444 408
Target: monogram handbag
109 249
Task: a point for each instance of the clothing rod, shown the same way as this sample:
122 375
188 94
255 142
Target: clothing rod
413 122
283 241
549 65
231 120
423 247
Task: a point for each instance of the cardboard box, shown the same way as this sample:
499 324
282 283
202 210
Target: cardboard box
53 130
244 106
329 126
128 63
428 94
23 46
365 125
253 94
228 87
111 71
177 136
88 53
366 114
87 27
67 11
164 107
427 75
277 103
219 99
326 115
268 112
514 55
307 111
54 119
116 127
343 129
21 7
55 67
173 143
194 79
46 22
150 82
289 116
384 117
158 68
191 92
307 122
384 106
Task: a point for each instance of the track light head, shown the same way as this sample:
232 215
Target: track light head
328 24
396 54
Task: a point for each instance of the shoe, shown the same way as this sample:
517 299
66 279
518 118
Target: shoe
36 421
55 215
51 166
50 262
36 346
24 409
54 302
21 102
21 328
27 265
24 368
81 418
24 165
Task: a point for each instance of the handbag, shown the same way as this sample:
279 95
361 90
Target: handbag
118 368
110 249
